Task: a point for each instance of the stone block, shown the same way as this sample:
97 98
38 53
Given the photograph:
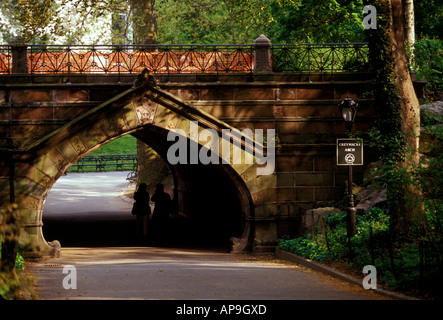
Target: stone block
266 210
68 151
30 113
249 174
315 93
128 112
287 93
29 216
109 128
71 95
286 209
33 131
253 111
285 179
161 116
328 193
78 145
354 91
265 238
25 96
217 94
241 167
223 111
4 185
103 94
285 163
297 126
34 174
264 196
188 94
314 179
28 187
303 163
29 202
4 114
305 194
341 178
100 134
283 127
279 112
267 93
325 163
119 121
317 111
70 112
285 194
51 163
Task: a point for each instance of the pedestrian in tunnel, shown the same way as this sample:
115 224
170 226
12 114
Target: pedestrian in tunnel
141 209
162 209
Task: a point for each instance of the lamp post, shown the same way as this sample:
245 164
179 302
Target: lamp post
348 110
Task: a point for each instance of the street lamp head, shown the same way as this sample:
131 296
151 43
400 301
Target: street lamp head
348 110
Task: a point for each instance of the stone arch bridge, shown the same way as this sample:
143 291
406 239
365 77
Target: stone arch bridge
58 104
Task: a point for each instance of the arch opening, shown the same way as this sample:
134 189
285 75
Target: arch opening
211 206
148 114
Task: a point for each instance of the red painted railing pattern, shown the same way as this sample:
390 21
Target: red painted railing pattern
133 59
161 59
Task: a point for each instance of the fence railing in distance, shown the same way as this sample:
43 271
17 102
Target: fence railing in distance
103 163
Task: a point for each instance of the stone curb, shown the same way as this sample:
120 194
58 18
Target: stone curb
291 257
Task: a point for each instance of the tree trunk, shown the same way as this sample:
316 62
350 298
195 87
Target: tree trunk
412 210
144 21
408 8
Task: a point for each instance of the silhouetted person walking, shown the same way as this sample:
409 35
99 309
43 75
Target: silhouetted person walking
141 209
163 206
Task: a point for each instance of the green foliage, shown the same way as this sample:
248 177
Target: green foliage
19 261
198 21
428 18
428 63
316 21
429 173
9 281
33 20
403 265
209 22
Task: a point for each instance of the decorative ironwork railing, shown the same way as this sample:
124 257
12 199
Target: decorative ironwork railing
161 59
329 57
134 58
5 60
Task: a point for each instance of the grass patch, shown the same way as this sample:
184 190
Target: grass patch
124 145
103 158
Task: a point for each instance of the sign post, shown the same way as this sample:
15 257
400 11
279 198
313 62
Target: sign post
350 153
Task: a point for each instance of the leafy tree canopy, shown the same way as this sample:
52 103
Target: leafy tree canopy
196 21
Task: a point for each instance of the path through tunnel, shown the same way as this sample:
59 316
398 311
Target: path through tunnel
211 205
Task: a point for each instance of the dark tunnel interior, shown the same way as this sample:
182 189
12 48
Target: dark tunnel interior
211 208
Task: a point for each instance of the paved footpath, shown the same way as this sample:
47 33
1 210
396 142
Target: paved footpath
182 274
105 266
